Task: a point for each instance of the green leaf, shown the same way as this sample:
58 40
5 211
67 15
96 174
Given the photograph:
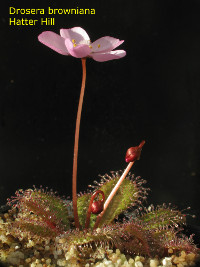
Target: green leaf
83 202
128 194
162 217
55 204
124 198
35 229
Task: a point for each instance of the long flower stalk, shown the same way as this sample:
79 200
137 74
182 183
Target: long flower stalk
76 142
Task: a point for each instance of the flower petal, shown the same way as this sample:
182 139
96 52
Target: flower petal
78 51
54 41
77 34
105 44
101 57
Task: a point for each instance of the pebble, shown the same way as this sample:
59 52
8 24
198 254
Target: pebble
61 262
28 260
30 244
59 252
138 264
119 262
153 263
48 261
167 261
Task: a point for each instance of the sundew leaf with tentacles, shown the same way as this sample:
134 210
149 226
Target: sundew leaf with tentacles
131 193
162 216
129 237
40 212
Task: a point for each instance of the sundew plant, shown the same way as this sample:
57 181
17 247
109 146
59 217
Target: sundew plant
112 213
76 42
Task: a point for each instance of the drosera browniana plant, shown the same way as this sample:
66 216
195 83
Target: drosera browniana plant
76 42
111 214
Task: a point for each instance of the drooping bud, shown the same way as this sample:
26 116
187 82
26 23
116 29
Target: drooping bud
97 207
133 153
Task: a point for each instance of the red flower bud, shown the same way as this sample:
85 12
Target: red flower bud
97 207
133 153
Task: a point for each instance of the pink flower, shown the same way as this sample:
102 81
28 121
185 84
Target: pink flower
76 42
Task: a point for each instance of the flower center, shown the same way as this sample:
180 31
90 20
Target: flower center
87 42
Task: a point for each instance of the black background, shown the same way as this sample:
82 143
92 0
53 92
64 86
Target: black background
152 94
